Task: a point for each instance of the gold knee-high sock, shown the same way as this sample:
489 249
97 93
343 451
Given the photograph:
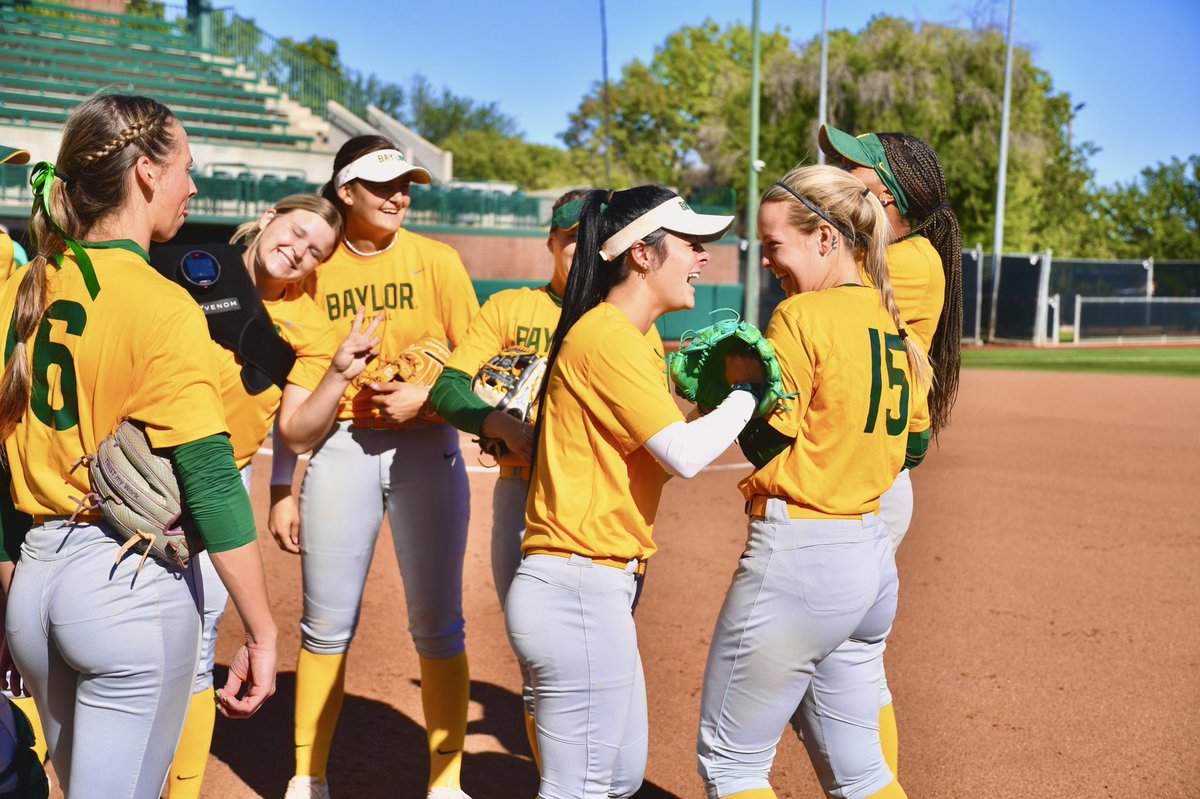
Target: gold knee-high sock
892 791
30 710
531 734
320 689
445 693
888 738
191 756
757 793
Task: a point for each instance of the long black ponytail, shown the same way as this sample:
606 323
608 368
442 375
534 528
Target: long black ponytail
604 213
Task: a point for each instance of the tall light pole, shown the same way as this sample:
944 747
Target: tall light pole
821 109
604 92
998 237
752 250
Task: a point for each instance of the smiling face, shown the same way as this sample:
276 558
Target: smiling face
376 208
173 187
794 257
292 244
682 263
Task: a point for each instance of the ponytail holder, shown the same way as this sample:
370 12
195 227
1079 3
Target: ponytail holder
41 180
942 207
607 201
903 334
865 192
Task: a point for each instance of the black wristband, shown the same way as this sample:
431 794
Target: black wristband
755 389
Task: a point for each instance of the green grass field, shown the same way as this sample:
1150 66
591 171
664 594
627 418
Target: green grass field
1178 362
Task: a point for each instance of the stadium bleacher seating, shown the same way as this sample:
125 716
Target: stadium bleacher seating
58 55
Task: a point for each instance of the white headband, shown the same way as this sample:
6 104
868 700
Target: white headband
380 167
672 214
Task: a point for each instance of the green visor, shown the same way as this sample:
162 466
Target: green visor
11 155
865 150
567 215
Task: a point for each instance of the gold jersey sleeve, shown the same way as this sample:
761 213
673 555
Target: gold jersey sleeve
8 261
919 283
138 348
595 488
840 354
310 334
419 285
521 317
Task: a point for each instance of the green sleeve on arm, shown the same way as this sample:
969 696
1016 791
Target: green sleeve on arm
454 401
13 524
760 442
214 494
918 445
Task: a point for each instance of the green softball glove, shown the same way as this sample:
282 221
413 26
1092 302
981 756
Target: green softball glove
697 370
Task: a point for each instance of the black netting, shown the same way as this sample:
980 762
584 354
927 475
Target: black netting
1156 318
971 296
1017 297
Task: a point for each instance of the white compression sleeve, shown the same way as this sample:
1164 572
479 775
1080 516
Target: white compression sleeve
684 448
283 460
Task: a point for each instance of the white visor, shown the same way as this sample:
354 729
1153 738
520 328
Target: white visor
380 167
672 215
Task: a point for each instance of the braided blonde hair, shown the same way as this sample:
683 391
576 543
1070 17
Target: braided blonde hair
102 140
860 217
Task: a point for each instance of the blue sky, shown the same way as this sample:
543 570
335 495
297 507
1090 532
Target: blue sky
1135 65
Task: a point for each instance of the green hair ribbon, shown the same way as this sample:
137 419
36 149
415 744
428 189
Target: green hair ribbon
41 180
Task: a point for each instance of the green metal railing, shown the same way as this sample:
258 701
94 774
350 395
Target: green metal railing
306 81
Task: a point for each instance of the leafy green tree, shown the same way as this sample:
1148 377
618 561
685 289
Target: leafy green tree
657 109
1157 215
437 114
487 154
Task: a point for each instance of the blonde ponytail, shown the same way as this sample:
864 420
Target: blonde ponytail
837 197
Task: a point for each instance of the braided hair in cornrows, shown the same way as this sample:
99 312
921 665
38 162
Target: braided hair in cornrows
919 171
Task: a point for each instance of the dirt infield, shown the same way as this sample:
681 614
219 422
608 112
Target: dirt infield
1045 644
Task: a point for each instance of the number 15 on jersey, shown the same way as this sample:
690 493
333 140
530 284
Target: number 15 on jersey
883 348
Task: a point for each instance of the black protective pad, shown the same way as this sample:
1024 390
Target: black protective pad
237 319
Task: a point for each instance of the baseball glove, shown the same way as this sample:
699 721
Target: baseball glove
697 370
510 382
420 362
136 492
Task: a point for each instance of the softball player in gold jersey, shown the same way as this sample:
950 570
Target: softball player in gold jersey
8 254
110 650
814 594
513 318
381 456
609 435
283 246
521 317
925 268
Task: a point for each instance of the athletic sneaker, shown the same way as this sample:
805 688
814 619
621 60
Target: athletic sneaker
446 793
306 788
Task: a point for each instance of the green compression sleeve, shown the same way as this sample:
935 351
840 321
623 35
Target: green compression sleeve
760 442
213 492
454 401
918 445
